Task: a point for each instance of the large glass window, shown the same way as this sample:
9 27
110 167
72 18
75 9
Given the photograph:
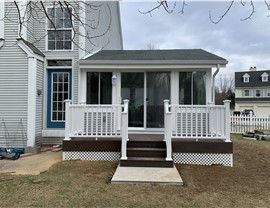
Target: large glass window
59 26
192 88
99 88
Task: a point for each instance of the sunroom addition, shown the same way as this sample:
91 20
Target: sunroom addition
167 92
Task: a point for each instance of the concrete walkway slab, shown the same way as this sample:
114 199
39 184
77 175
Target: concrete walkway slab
152 175
31 165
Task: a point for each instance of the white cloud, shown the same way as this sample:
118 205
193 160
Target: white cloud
242 43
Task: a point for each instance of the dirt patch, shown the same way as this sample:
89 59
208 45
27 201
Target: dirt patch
32 165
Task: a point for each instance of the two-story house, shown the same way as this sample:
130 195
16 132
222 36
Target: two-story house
39 66
252 91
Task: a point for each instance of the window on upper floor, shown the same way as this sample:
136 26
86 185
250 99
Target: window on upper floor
264 77
258 93
246 77
59 29
246 93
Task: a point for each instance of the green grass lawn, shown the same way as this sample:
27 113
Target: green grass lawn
87 184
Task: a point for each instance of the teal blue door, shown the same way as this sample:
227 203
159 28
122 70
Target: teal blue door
59 90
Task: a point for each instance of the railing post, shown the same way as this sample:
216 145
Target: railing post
67 119
168 129
124 129
227 120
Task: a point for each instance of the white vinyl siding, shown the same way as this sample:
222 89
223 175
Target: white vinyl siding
112 40
39 102
13 78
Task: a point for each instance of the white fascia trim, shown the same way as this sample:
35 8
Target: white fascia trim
146 66
120 25
2 22
152 62
31 114
91 54
29 52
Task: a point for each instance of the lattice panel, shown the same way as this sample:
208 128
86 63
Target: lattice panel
203 159
189 123
108 156
99 122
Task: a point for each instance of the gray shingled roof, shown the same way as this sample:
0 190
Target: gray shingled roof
33 48
187 55
255 79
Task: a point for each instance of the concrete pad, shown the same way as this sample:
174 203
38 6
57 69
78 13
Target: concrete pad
152 175
31 165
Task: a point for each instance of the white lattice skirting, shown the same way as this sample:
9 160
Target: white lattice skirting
203 159
108 156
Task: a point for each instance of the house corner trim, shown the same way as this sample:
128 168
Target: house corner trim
31 111
32 75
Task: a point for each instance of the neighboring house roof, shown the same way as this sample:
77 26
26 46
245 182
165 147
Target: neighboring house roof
182 56
255 79
32 47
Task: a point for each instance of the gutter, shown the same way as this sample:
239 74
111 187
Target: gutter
213 86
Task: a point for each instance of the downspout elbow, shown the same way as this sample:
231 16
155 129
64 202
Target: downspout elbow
213 87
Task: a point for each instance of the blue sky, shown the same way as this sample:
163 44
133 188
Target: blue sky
242 43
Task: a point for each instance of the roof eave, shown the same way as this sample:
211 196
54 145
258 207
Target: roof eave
222 63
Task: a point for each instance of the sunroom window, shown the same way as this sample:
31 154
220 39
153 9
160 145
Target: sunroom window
59 29
99 88
192 88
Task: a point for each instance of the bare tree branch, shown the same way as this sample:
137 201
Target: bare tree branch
222 16
268 7
46 14
243 2
252 12
161 3
20 19
184 4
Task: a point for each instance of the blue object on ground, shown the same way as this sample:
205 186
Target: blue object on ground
7 153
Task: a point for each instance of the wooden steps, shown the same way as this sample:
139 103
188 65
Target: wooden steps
146 154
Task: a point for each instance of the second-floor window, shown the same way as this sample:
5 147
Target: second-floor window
246 93
59 29
258 93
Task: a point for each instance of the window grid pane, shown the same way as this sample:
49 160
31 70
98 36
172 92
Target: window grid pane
59 29
59 95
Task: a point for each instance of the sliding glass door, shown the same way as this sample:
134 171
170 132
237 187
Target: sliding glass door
132 88
158 90
146 92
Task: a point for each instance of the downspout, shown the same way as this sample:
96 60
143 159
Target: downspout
213 86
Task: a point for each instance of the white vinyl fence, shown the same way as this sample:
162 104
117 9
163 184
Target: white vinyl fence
242 123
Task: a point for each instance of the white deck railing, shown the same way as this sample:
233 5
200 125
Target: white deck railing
93 120
198 121
97 121
248 123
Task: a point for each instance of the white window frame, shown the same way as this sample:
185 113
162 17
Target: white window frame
246 78
260 92
46 30
244 93
264 77
267 93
